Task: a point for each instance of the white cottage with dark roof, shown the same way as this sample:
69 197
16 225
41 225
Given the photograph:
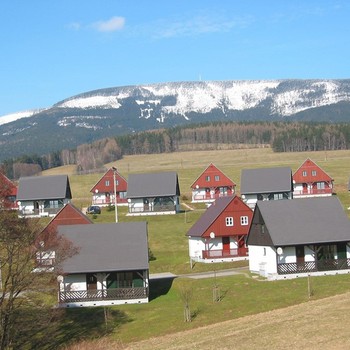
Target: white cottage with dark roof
111 266
153 194
289 239
43 195
266 184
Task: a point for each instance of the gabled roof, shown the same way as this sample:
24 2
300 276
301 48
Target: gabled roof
7 186
302 221
266 180
214 212
153 185
212 171
101 184
68 215
309 166
106 247
44 187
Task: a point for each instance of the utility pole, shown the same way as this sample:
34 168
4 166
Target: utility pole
115 192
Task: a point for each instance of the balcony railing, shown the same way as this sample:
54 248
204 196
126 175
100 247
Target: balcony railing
150 209
105 294
312 192
219 253
313 266
203 197
42 212
100 201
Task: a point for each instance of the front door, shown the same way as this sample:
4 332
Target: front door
300 254
91 281
225 246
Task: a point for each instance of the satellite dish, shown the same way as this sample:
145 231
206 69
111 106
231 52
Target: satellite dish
197 186
279 251
212 235
96 191
59 278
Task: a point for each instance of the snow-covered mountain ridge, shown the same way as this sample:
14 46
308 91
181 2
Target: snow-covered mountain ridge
120 110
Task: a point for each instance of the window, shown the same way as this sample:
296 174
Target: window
304 173
107 183
313 173
207 178
264 252
277 196
244 220
217 177
229 221
320 186
262 229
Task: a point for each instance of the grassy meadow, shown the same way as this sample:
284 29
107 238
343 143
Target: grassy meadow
241 294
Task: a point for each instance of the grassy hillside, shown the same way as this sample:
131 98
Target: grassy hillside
242 295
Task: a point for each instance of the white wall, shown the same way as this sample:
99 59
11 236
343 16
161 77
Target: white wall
262 258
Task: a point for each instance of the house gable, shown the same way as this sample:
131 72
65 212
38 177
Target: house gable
106 183
212 177
258 232
68 215
214 219
309 172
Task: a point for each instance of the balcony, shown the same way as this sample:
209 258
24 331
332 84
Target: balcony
79 296
220 253
313 266
314 192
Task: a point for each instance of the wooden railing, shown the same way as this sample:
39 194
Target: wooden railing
105 294
203 197
150 209
220 253
313 266
312 191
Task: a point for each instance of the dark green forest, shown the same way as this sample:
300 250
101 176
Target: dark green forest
280 136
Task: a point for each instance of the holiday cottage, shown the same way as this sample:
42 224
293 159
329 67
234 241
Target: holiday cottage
153 194
43 195
289 239
266 184
219 234
110 268
110 189
211 184
311 181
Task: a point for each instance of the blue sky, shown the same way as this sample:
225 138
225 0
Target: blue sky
52 50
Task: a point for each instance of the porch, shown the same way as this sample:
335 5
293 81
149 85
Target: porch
313 266
223 253
309 192
100 297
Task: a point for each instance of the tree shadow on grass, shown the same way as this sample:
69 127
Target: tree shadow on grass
159 286
47 328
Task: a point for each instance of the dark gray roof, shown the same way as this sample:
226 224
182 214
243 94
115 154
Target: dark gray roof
305 221
44 187
107 247
153 185
266 180
209 216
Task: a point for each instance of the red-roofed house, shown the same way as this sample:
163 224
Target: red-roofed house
211 184
103 191
219 234
8 193
311 181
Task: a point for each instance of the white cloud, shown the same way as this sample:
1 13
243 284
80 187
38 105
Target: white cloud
74 26
110 25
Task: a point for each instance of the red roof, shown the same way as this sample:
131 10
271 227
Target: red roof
68 215
212 177
309 171
105 184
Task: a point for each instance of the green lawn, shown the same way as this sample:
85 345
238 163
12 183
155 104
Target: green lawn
241 295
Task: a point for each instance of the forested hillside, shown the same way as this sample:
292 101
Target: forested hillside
280 136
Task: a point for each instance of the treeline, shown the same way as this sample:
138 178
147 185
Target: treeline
281 136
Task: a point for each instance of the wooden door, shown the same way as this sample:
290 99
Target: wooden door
91 281
225 246
300 254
